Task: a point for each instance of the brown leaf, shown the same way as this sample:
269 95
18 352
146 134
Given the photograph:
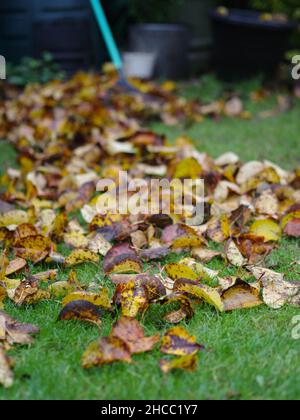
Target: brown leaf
13 332
241 296
15 266
104 351
292 228
33 248
131 333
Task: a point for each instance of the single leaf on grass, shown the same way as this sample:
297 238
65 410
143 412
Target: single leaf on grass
131 333
122 259
200 291
100 299
241 296
233 254
105 351
267 228
186 363
6 374
81 310
80 256
177 341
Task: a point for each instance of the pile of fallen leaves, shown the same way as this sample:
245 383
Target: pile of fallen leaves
69 135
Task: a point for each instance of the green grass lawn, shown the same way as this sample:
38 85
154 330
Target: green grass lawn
252 354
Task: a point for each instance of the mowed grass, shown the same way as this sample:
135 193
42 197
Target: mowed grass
252 354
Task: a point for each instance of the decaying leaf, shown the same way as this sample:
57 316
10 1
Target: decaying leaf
80 256
13 332
33 248
233 254
100 299
186 363
177 341
133 299
104 351
180 271
15 266
131 332
241 296
122 259
186 310
205 255
81 310
200 291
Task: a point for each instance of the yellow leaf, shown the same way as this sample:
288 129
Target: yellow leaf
267 229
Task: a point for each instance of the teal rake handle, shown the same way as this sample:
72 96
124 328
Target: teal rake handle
107 34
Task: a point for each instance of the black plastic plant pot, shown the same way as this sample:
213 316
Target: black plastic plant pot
169 42
246 45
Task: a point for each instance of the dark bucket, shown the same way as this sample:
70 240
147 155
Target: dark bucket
170 43
245 45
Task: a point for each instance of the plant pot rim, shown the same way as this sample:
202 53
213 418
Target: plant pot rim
162 26
251 18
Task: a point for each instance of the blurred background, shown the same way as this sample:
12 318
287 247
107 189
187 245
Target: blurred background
235 38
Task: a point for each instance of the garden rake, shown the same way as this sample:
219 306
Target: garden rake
111 45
